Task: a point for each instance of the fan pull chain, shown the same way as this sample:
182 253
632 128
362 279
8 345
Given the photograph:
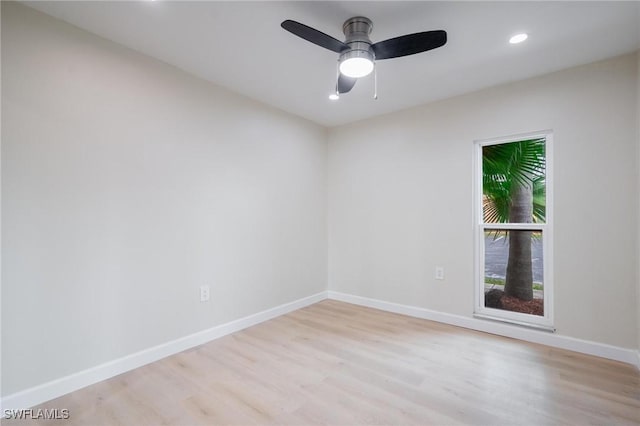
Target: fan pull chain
375 82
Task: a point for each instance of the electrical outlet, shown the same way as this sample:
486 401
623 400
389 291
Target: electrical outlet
205 293
439 273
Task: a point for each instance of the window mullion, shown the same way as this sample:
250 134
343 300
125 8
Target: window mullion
520 226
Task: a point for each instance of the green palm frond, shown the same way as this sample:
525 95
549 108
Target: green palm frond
507 165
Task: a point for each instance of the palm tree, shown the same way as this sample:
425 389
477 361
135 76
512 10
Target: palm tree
514 192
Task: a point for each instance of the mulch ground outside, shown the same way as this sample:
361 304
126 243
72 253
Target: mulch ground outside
532 307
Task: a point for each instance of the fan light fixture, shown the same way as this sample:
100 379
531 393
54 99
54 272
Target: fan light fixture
356 64
356 67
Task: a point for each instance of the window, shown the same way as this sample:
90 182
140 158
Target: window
513 230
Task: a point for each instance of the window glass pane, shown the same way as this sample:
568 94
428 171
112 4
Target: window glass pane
513 182
513 271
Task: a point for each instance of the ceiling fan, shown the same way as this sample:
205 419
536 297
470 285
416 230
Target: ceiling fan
357 53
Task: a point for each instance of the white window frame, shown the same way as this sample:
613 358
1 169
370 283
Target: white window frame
542 322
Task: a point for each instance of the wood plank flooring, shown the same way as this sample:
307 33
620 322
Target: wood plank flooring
338 364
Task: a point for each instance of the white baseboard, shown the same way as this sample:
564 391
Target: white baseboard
64 385
616 353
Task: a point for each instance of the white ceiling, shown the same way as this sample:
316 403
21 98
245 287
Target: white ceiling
240 45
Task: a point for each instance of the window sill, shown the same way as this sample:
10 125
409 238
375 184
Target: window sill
547 328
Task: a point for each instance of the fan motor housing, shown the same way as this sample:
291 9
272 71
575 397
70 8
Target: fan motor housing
357 28
356 31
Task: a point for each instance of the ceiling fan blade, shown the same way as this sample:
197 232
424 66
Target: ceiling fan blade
314 36
409 44
345 83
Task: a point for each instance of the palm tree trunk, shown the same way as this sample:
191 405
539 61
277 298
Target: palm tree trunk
519 279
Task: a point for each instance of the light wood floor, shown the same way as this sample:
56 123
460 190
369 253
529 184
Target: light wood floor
340 364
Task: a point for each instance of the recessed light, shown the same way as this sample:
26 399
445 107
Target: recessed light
334 97
518 38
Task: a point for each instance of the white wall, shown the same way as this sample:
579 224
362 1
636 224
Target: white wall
400 197
126 185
